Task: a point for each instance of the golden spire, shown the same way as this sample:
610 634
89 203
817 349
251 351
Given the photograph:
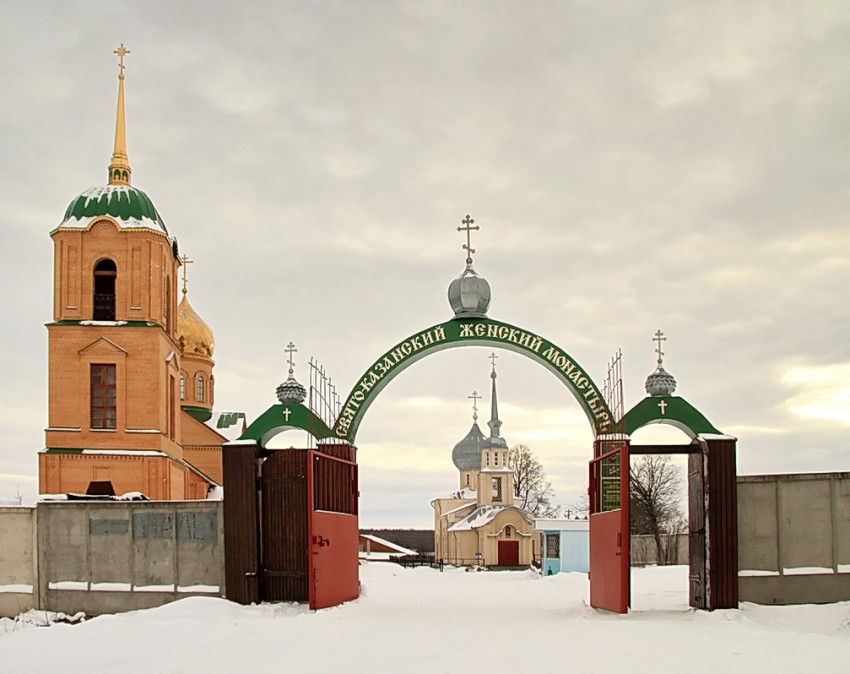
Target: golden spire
119 168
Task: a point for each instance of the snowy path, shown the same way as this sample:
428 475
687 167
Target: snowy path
421 620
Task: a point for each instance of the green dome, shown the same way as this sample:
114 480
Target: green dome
129 206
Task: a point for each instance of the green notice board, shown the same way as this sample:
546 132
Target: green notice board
610 483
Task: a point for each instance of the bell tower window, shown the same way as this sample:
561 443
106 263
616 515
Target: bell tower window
182 386
105 273
103 397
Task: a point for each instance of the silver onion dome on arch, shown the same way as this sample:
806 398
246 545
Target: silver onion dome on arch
469 295
291 391
660 383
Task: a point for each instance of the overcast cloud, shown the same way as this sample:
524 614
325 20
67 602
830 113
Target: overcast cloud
632 165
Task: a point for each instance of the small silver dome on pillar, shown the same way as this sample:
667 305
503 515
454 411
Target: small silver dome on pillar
469 293
290 391
660 383
466 454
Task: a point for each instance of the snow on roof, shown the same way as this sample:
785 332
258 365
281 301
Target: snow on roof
560 524
462 506
463 493
716 436
478 518
229 424
398 548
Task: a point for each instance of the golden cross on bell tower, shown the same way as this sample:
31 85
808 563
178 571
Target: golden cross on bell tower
474 398
659 337
121 52
186 262
119 167
467 221
289 350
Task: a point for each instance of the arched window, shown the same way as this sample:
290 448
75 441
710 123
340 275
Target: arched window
105 273
201 388
182 386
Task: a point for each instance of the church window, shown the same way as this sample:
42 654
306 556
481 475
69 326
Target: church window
496 458
201 387
467 479
103 396
105 274
508 531
553 546
182 386
497 489
172 408
487 457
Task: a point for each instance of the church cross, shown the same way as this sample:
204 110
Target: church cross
493 358
474 398
289 350
120 53
467 221
663 406
186 262
286 412
659 337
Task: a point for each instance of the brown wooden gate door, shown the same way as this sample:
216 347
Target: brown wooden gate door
333 534
241 534
283 526
696 531
609 530
508 553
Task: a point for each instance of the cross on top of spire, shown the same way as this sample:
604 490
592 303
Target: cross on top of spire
468 228
474 398
186 262
289 350
121 52
493 358
659 337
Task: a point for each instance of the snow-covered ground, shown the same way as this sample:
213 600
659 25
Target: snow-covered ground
421 620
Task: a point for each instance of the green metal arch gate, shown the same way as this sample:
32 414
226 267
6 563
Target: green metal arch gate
472 332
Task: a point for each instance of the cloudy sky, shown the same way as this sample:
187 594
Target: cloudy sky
632 165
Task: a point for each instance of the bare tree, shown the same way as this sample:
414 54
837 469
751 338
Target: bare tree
655 488
532 490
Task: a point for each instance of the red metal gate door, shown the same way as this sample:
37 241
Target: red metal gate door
508 553
609 528
332 530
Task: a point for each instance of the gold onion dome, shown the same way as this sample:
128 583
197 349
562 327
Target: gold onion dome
193 335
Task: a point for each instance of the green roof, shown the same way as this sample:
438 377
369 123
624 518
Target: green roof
128 205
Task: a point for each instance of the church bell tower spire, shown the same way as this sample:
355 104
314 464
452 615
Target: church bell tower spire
495 424
119 167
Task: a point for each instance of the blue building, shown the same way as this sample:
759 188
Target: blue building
566 545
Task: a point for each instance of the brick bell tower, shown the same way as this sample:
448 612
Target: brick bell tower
114 361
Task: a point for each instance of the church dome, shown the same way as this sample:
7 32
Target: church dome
291 392
128 206
466 454
193 335
660 383
469 295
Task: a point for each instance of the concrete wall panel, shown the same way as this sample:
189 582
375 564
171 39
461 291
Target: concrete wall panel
108 557
757 526
794 547
17 560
